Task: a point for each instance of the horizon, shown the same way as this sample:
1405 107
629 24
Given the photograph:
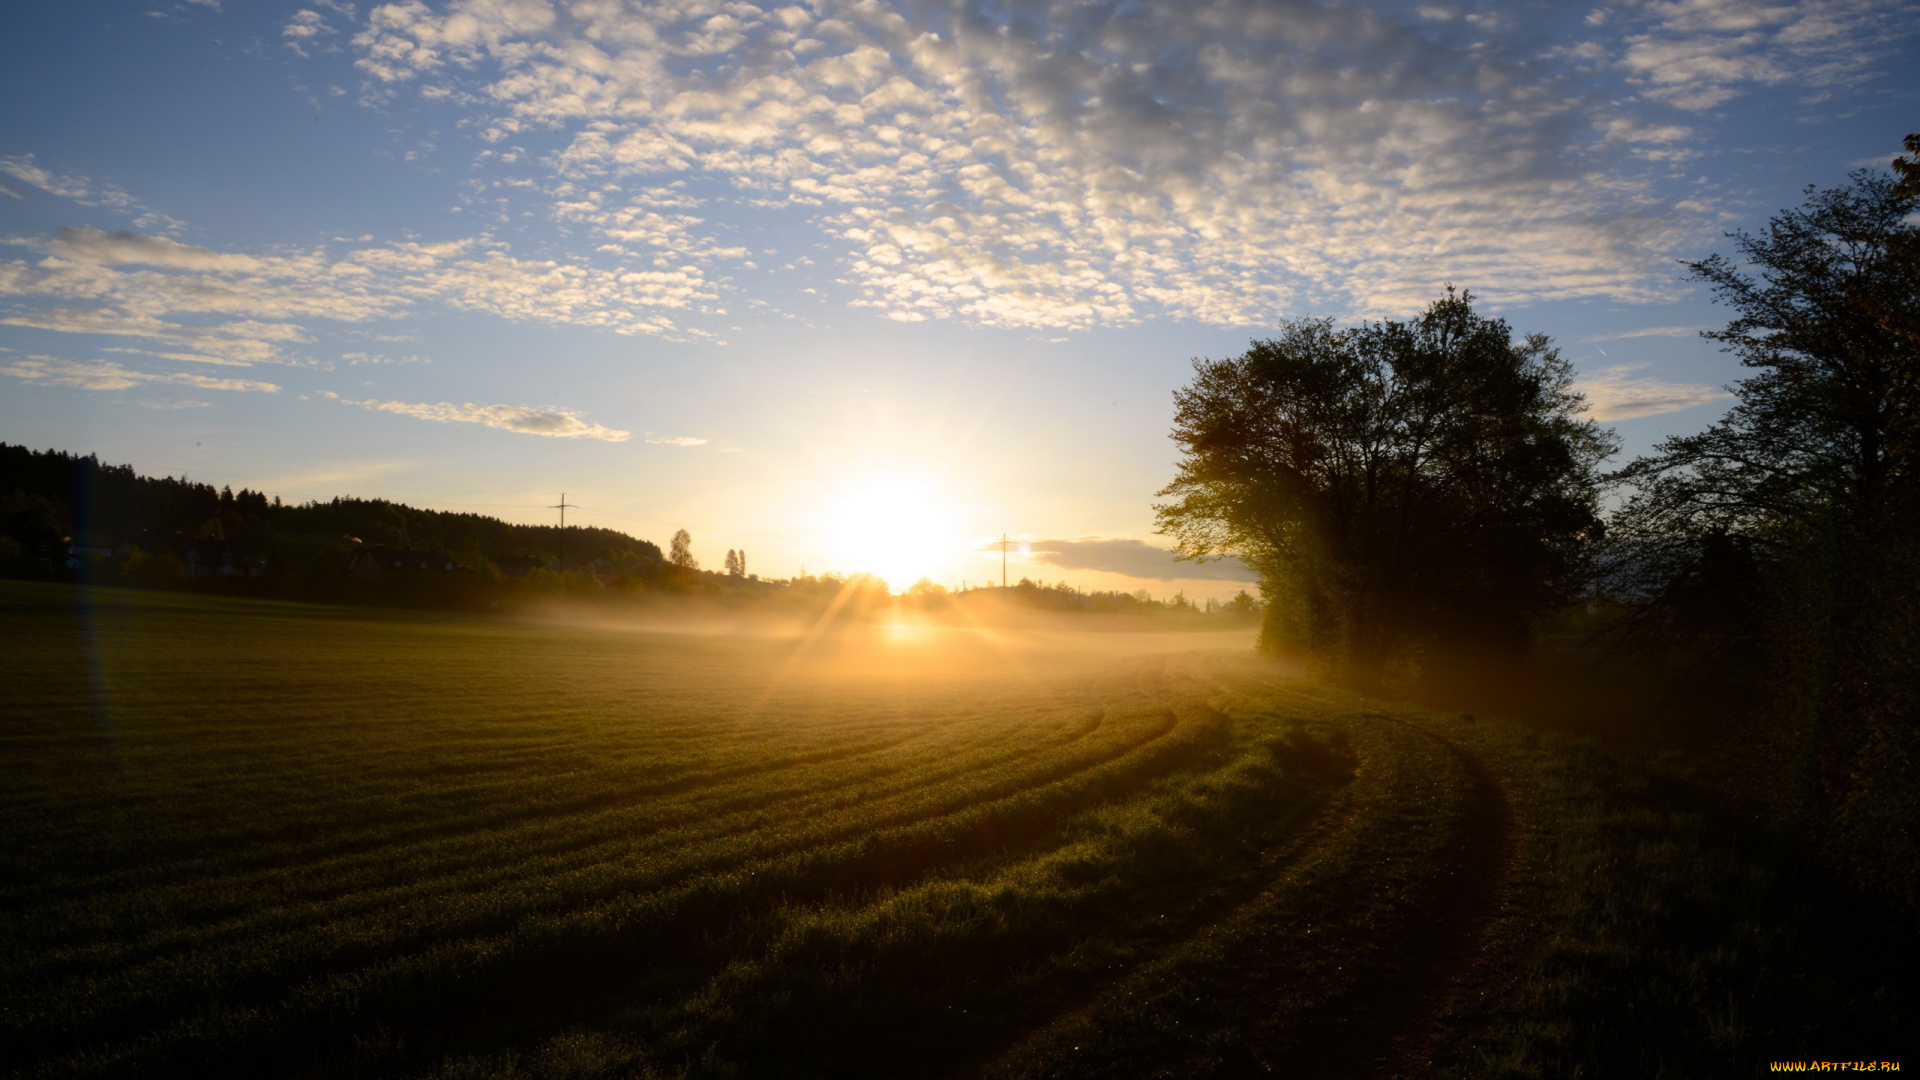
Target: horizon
1020 552
832 282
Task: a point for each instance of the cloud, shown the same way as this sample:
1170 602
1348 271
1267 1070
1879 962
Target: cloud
1617 393
1089 163
197 358
229 340
1651 331
306 26
134 285
1698 54
78 188
553 423
1133 558
24 170
118 248
677 440
1100 163
245 308
102 375
553 292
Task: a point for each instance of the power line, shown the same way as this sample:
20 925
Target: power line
562 507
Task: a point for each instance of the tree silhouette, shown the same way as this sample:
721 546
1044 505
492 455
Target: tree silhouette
1397 486
1809 480
680 551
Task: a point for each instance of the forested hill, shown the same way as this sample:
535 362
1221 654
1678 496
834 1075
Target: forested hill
48 496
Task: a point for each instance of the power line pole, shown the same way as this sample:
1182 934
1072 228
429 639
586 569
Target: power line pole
563 507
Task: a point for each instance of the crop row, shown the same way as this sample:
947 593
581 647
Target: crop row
326 844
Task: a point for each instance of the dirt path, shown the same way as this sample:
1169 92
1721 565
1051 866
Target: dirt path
1448 967
1341 968
1388 1024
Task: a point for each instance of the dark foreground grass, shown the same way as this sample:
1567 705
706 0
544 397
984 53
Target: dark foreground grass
257 839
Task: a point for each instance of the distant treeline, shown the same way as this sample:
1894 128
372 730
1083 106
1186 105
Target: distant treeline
51 496
1063 597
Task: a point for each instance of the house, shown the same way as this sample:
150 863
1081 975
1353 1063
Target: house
88 548
379 562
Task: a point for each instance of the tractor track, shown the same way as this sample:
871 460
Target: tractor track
1446 967
1431 962
1292 982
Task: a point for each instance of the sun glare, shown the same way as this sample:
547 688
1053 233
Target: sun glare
896 529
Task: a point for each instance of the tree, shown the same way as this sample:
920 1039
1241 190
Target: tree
733 563
1825 430
1395 484
1242 606
1810 479
1905 248
680 551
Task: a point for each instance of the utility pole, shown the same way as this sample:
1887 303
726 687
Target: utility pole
563 507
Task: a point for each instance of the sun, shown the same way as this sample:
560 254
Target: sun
897 529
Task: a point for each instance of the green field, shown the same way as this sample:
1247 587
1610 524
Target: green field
259 839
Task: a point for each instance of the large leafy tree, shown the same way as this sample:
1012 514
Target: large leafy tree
1808 484
1396 485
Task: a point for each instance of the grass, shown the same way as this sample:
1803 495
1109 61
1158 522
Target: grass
247 838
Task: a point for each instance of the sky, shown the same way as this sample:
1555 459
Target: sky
860 285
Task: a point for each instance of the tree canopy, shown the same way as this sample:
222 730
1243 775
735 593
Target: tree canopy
1395 484
1825 425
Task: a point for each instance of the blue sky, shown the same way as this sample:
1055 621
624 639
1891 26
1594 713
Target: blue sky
772 272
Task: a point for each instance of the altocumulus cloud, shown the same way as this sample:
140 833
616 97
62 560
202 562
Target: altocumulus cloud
553 423
1102 161
102 375
243 309
1134 558
1090 162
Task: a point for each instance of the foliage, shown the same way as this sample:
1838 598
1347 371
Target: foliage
1069 599
89 497
150 568
1790 529
1824 432
1396 485
680 552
